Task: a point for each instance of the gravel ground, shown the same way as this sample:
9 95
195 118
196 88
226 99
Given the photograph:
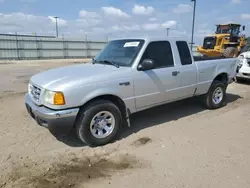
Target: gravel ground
176 145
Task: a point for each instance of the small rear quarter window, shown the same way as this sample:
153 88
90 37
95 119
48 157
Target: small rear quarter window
184 52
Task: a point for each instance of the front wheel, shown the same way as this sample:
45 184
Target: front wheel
215 98
230 52
238 80
98 123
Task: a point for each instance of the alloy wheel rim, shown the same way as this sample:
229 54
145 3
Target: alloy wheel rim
217 95
102 124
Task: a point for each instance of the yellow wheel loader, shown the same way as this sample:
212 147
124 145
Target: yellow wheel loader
226 42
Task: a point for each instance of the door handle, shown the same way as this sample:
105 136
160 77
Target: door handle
124 84
175 73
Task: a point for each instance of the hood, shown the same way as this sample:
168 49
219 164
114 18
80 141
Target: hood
75 75
218 35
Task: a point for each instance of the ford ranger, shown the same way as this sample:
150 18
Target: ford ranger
129 75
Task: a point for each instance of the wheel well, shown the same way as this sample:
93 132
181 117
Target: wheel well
222 77
112 98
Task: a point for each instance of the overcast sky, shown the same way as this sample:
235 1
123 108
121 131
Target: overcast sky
119 18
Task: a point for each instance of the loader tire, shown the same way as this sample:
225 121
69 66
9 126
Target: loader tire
231 52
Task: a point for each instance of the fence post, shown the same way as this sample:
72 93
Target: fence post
17 47
64 48
37 49
86 44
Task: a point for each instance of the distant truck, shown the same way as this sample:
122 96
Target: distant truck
129 75
243 69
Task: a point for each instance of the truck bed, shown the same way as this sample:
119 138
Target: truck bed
204 58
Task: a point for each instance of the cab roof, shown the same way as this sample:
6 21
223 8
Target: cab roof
230 24
153 38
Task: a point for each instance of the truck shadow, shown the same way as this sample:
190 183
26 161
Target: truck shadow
153 117
71 139
167 113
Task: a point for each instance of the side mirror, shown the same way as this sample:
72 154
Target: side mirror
243 28
147 64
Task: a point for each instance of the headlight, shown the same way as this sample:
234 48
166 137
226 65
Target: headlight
54 98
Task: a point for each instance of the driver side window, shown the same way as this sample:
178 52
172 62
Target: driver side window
160 52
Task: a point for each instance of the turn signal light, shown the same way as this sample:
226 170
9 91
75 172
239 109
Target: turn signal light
59 99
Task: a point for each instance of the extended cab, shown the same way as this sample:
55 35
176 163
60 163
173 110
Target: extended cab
128 75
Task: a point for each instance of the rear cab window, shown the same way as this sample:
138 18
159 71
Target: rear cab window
160 52
184 53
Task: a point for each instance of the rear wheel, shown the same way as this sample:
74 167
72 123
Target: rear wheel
98 123
231 52
238 80
215 98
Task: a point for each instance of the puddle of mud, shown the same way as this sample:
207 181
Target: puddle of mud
8 94
23 78
142 141
8 91
25 81
71 174
6 63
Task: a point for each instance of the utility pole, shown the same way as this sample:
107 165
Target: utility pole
17 47
168 31
56 17
192 39
86 44
107 37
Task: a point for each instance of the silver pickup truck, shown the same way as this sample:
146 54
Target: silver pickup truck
129 75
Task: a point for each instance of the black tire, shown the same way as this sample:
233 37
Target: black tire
239 80
244 49
230 52
208 98
85 116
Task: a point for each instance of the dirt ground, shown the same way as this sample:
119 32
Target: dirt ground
175 146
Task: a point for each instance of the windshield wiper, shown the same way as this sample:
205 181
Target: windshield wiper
106 62
110 63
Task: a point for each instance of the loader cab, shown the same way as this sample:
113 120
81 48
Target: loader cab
232 33
231 29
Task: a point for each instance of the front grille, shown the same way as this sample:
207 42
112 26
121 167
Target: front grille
35 92
209 42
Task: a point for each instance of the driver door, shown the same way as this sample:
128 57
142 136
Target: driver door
160 84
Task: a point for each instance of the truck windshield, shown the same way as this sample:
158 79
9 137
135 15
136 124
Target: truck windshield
120 52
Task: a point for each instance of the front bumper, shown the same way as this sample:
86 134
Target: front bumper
59 122
243 75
